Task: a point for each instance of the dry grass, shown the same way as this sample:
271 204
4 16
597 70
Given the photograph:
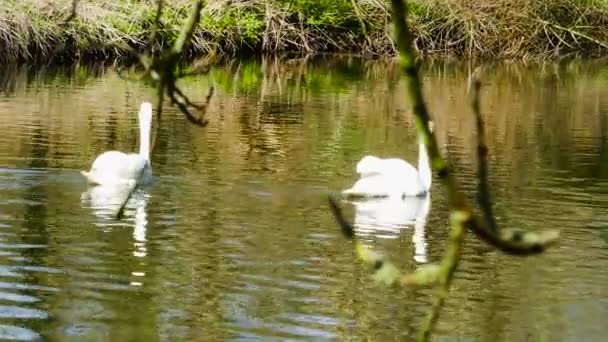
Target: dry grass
35 30
512 28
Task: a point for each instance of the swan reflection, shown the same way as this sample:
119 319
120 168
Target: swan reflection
386 217
106 200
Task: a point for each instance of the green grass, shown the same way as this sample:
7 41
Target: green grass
34 30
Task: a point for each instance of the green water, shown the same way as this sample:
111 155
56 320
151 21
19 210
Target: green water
234 240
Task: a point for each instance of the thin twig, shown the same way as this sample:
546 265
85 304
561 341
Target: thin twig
483 194
72 12
347 229
131 186
446 272
163 71
185 35
571 31
156 27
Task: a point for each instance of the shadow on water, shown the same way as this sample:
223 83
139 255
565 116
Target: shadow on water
234 240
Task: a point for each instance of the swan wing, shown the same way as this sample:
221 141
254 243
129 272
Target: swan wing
106 168
114 167
386 184
372 166
370 186
405 177
395 165
139 168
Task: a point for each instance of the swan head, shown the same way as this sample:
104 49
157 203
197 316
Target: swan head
369 165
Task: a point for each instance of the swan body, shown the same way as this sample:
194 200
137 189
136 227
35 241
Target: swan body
115 167
392 177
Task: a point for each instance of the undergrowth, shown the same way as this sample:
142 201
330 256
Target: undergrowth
35 30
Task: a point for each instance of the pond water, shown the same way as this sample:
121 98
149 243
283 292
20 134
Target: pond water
234 240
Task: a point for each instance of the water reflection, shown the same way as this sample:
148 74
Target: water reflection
105 201
387 217
236 240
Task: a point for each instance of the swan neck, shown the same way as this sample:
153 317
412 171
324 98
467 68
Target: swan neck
145 123
424 168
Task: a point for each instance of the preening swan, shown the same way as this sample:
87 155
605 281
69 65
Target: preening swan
115 167
392 177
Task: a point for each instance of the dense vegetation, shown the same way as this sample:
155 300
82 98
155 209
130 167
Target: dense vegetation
35 30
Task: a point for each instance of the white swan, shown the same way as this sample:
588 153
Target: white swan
392 177
115 167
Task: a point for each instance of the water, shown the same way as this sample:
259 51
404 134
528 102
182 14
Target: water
234 240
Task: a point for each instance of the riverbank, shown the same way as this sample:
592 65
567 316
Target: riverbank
34 30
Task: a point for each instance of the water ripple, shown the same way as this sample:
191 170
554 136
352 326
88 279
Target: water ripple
13 333
235 240
9 311
14 297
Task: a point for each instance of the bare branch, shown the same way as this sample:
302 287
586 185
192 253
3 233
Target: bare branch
347 229
181 103
131 189
383 269
187 101
72 12
483 193
156 27
163 70
559 27
185 36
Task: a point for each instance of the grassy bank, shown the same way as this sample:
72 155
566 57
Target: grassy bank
511 29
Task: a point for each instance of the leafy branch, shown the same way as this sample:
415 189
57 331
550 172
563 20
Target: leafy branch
462 215
163 71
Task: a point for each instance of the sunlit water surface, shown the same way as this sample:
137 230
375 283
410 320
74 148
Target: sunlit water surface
234 240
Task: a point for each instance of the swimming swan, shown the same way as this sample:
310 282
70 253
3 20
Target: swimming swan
392 177
115 167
